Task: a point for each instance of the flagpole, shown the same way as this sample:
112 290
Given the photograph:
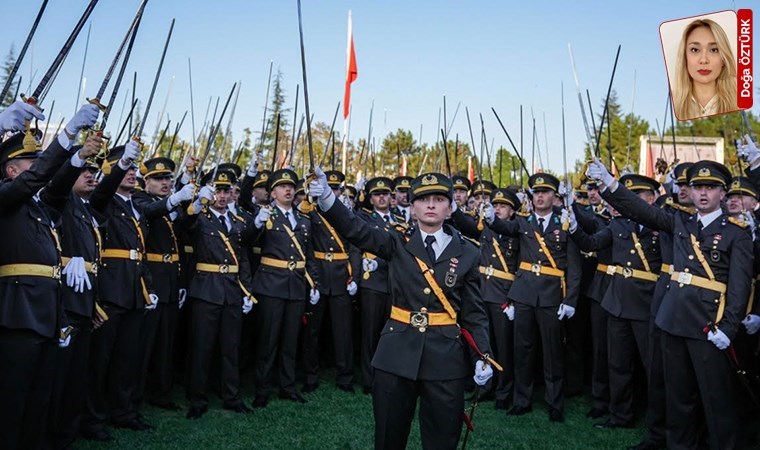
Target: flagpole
344 143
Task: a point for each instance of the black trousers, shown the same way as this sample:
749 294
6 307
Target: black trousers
375 310
341 314
530 324
600 376
157 342
655 419
27 362
394 400
70 384
114 367
624 337
214 325
279 325
696 372
502 333
577 336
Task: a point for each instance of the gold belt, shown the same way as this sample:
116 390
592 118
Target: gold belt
280 264
538 269
216 268
627 272
667 268
132 255
491 272
329 256
422 319
34 270
602 268
683 278
163 257
88 266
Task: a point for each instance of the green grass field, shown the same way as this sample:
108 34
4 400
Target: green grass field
337 420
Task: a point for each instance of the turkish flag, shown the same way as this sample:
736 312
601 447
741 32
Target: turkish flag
351 71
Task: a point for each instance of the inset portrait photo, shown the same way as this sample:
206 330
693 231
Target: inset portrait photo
700 58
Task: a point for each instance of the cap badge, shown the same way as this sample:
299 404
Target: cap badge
429 179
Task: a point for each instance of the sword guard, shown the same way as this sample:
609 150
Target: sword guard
31 101
96 102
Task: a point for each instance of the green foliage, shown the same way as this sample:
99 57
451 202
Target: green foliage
5 72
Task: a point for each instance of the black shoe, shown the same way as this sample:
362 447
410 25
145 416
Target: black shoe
486 397
501 404
647 445
293 397
595 413
367 389
134 424
101 435
309 387
260 401
347 388
519 410
556 415
165 404
238 408
195 412
609 425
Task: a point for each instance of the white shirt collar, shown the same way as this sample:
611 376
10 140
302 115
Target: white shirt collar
707 219
217 214
441 240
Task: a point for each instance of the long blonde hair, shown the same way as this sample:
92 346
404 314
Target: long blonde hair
725 84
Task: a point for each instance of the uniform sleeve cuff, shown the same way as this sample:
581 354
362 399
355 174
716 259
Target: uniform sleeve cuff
327 203
64 140
76 161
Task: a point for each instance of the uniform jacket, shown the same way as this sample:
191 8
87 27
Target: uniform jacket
626 298
440 353
595 283
543 290
119 280
376 280
333 275
275 243
687 309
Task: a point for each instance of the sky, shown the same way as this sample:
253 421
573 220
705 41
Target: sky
410 54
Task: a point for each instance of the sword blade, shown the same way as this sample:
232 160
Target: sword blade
17 64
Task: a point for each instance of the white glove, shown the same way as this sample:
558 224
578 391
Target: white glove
719 338
182 297
84 118
670 177
454 206
262 217
182 195
247 304
369 265
14 117
751 323
206 192
483 373
568 216
489 214
351 288
153 302
565 311
675 189
748 151
360 183
509 310
253 167
319 187
314 297
748 218
597 171
64 342
76 275
131 153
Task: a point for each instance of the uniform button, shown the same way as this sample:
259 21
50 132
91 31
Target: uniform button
391 328
426 291
540 250
691 257
225 260
633 251
628 264
717 301
493 256
686 270
331 249
332 238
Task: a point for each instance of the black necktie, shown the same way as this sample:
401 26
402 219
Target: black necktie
541 223
699 230
223 219
287 219
129 207
429 247
387 219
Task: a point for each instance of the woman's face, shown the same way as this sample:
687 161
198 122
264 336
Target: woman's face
703 59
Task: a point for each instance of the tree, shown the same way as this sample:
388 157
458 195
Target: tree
276 107
5 73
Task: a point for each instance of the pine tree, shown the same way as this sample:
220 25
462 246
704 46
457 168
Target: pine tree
276 106
5 73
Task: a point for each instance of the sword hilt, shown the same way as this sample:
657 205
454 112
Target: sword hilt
96 102
31 101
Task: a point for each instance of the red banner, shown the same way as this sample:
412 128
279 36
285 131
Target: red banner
744 93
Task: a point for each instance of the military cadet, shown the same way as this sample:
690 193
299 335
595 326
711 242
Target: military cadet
219 292
373 287
634 269
704 303
592 216
125 291
481 191
498 265
160 208
350 193
434 286
254 187
80 250
31 315
233 205
286 277
337 262
461 190
300 194
544 293
402 208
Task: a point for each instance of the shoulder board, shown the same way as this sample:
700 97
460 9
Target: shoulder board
237 217
399 217
466 239
676 206
401 226
583 202
367 210
523 214
739 223
471 212
302 215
